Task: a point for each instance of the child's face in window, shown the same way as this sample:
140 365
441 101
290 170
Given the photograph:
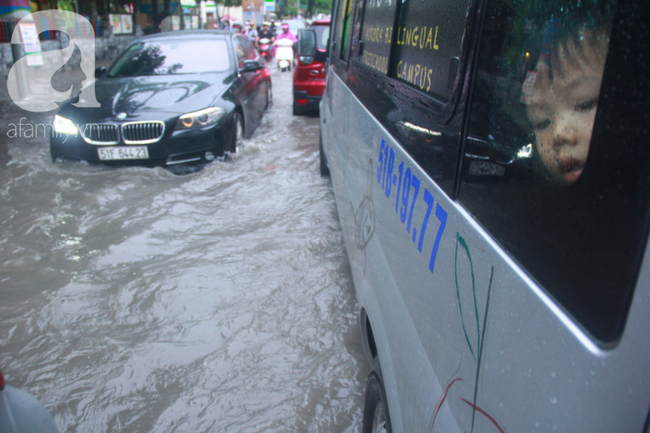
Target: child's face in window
562 109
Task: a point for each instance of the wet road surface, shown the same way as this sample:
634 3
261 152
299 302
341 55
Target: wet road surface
137 300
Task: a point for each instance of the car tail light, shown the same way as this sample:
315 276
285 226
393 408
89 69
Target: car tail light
301 101
267 73
2 381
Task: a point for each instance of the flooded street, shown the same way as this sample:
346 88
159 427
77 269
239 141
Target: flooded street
137 300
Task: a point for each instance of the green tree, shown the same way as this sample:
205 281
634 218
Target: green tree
319 7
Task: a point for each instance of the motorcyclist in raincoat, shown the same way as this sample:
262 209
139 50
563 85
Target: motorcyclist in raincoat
285 34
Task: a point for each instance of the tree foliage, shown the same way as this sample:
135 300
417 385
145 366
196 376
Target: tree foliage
313 7
319 6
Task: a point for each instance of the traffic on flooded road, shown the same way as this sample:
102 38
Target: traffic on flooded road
401 217
139 300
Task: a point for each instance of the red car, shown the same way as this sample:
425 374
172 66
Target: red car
309 75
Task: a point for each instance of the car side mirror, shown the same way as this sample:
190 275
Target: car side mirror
307 44
99 72
251 66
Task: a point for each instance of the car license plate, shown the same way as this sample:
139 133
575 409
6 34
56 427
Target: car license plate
482 168
123 152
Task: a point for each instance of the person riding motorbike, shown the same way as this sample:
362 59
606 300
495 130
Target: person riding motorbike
237 27
250 32
265 33
285 34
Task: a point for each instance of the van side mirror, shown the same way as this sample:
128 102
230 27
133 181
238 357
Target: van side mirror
307 45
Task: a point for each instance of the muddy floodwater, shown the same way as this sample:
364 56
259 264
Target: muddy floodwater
139 300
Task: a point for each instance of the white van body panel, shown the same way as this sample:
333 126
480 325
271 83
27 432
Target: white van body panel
475 345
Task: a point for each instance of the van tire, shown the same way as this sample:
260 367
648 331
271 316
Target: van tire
324 169
375 410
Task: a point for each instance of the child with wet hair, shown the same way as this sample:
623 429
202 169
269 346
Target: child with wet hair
562 104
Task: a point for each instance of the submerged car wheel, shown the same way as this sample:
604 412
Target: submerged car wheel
375 411
269 96
238 133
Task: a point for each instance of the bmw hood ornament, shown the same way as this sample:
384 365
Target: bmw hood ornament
121 116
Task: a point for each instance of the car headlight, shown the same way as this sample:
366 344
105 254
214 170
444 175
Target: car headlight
526 151
201 118
64 126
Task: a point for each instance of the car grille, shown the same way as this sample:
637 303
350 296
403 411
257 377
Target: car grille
100 134
477 148
142 132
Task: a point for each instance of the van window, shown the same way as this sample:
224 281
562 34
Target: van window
536 173
377 33
428 44
343 29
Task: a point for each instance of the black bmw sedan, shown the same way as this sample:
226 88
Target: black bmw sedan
171 98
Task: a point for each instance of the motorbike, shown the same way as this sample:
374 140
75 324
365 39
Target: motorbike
265 48
284 54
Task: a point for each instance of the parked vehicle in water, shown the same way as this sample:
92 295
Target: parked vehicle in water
310 72
490 168
171 98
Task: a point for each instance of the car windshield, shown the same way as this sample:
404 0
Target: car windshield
172 56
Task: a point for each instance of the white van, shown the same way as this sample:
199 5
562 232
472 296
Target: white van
491 167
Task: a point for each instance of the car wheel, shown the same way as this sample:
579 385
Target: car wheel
238 133
54 154
296 112
269 96
324 169
376 418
